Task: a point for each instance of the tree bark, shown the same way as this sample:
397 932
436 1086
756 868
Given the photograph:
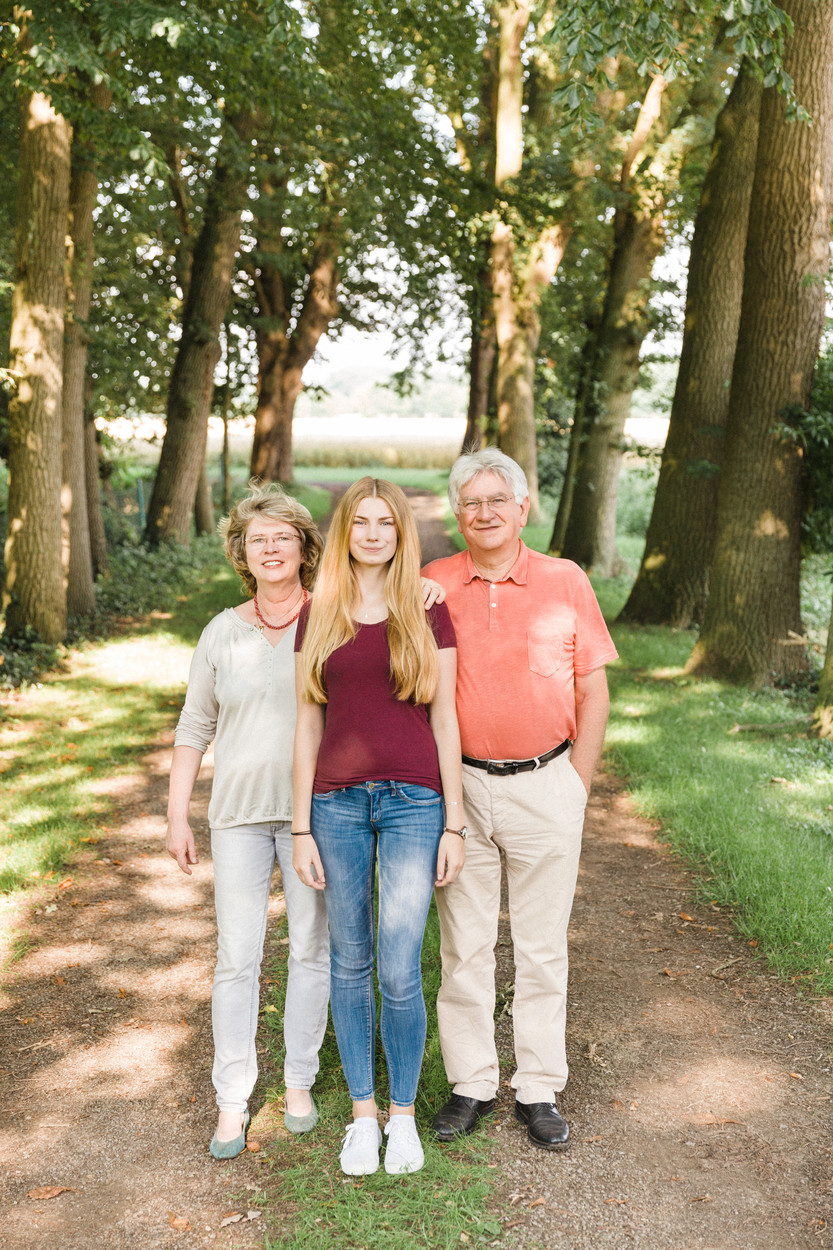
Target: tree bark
752 627
33 593
92 478
203 505
671 587
481 363
77 551
590 532
192 377
284 351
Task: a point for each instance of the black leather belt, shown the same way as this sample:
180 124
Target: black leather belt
508 768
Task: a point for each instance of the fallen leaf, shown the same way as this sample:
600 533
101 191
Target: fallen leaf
253 1146
178 1221
232 1219
65 884
796 1076
44 1192
702 1198
592 1140
253 1215
685 916
620 1202
674 975
539 1202
122 993
270 1007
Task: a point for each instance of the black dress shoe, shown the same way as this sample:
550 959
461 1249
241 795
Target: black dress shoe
460 1116
544 1126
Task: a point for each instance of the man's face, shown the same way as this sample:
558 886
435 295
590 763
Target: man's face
492 528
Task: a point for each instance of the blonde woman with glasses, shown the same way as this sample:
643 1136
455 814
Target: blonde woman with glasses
241 695
377 781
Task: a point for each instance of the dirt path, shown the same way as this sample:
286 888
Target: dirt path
699 1100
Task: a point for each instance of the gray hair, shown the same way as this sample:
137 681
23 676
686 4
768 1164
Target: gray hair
489 460
269 501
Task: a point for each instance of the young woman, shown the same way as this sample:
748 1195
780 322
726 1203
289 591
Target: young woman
376 750
241 693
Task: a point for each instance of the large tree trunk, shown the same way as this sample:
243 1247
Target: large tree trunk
192 377
284 353
752 626
77 552
33 593
672 584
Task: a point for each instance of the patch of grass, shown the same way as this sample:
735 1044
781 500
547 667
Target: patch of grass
327 1210
61 741
741 790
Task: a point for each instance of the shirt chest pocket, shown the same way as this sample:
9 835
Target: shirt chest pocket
544 655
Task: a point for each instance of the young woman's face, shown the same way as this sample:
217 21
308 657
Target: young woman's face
373 537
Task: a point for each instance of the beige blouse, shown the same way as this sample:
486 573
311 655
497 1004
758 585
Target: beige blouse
241 695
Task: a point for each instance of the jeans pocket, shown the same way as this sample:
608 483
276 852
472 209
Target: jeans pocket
328 794
417 796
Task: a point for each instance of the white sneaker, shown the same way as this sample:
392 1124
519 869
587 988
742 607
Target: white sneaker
404 1150
360 1148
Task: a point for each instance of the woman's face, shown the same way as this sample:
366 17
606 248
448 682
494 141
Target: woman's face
274 551
373 536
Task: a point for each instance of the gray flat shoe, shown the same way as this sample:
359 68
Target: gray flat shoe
230 1149
301 1123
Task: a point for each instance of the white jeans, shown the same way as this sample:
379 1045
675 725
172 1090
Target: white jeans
244 859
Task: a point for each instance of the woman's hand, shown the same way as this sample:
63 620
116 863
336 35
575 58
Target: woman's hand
432 592
451 857
180 844
307 862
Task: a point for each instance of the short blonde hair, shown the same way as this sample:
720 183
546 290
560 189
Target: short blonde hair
271 501
414 658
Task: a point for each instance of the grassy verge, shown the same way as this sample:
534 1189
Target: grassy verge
61 739
327 1210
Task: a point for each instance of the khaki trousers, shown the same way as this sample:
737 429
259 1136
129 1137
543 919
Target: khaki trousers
535 819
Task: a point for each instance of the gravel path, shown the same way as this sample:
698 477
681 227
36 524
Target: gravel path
699 1098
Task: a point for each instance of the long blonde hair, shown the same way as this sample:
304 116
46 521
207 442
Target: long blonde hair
414 664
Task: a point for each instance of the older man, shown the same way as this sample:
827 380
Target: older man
532 703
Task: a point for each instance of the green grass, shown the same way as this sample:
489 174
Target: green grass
61 740
447 1198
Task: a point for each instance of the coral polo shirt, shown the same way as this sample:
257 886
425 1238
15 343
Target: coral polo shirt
520 643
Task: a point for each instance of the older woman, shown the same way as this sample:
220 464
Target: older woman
241 694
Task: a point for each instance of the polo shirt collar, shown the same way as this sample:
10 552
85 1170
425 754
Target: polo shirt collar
517 573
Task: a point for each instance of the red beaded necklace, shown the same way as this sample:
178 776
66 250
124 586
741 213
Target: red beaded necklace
284 624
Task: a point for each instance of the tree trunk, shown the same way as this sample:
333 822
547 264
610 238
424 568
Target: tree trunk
481 363
823 717
590 529
590 537
752 626
203 506
577 436
284 353
33 593
77 553
192 377
672 584
98 541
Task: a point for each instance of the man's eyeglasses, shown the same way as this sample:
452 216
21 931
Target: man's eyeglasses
493 501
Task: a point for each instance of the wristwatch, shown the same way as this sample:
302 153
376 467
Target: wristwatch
463 833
